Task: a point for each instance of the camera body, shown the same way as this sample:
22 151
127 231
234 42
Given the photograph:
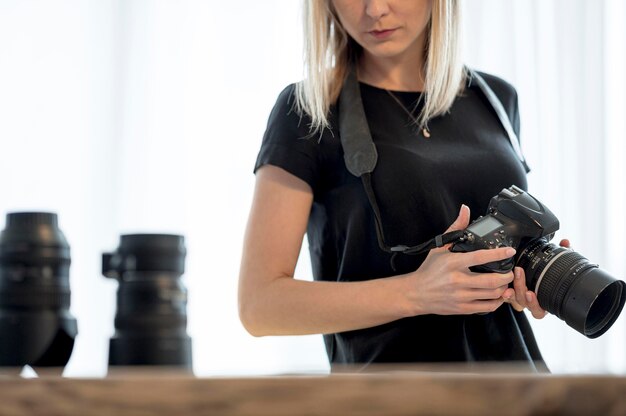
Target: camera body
515 218
567 285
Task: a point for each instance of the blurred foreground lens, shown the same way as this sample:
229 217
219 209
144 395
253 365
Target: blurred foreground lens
151 318
36 327
586 297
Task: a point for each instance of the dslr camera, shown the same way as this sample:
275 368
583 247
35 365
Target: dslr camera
567 285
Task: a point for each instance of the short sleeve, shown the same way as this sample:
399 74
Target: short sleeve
288 142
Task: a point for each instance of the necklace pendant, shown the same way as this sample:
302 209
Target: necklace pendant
425 131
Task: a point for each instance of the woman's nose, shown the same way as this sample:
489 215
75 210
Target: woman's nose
376 8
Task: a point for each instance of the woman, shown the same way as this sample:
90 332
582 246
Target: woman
441 151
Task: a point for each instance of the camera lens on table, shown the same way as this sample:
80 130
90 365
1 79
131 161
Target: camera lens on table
151 317
36 327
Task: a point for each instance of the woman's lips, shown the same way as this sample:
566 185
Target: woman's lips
382 34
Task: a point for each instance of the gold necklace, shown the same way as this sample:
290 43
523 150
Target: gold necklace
425 130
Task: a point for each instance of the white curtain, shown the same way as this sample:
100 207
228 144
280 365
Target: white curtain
146 116
567 60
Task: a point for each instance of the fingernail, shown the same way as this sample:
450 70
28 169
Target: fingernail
461 210
510 251
529 296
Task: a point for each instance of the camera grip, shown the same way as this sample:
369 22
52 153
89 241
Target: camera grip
503 266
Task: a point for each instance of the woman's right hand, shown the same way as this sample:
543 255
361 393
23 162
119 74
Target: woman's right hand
444 285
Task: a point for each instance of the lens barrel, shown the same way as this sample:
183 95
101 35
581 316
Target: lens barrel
151 317
36 327
586 297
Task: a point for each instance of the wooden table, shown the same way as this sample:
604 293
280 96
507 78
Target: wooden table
381 393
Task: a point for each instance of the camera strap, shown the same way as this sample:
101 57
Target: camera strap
500 112
361 156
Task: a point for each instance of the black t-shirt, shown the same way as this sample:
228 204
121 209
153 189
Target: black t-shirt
420 184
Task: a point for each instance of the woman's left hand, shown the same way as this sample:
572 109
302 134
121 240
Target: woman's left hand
520 297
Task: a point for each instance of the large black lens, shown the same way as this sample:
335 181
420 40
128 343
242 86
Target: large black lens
586 297
151 318
36 327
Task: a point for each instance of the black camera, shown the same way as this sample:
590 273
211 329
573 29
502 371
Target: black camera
36 327
151 317
567 285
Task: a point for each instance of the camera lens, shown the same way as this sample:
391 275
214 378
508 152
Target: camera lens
586 297
151 318
36 327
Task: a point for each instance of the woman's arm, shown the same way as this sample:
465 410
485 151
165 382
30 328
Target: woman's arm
272 302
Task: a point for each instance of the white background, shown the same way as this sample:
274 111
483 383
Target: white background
146 116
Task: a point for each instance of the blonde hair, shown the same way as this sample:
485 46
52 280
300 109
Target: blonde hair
329 51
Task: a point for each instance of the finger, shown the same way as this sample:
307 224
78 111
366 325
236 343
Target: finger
533 305
462 221
478 257
487 280
486 294
509 297
519 284
508 294
483 306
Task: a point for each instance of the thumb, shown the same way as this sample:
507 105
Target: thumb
462 221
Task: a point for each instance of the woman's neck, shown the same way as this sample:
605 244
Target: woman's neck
399 73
